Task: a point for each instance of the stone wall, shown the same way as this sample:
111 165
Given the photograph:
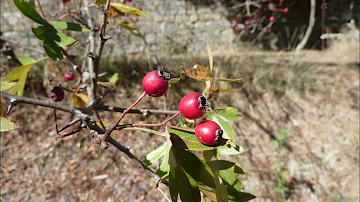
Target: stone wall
175 26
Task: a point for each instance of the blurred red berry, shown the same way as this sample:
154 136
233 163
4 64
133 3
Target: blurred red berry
128 0
137 7
64 1
69 76
234 25
285 10
272 19
246 23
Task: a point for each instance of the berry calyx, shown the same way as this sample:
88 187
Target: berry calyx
193 105
57 94
69 76
272 19
155 83
233 25
208 132
285 10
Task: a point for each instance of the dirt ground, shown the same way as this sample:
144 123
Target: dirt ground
299 128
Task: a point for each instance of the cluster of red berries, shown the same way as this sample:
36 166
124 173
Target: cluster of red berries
191 106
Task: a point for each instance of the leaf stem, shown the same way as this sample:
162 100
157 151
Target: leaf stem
41 10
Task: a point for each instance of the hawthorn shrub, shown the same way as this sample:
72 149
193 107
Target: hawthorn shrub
191 166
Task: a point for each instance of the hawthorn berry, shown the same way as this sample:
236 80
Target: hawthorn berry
138 8
193 105
246 23
64 1
272 19
233 25
155 83
285 10
57 94
69 76
208 132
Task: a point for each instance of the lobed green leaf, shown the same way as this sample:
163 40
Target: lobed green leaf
6 125
69 26
29 11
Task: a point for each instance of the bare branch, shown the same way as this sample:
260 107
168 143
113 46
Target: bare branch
134 111
126 150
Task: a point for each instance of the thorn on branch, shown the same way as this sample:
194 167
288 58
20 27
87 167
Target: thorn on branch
13 103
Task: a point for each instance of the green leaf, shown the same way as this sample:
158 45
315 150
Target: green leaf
114 78
164 168
156 154
217 165
52 40
69 26
52 50
230 179
24 60
209 154
194 166
130 10
222 117
220 189
29 11
240 196
189 139
129 26
7 85
230 149
182 183
6 125
173 184
20 74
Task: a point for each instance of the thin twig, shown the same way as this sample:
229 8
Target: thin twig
134 111
99 118
126 150
113 126
41 10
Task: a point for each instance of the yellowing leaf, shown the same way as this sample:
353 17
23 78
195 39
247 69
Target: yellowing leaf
198 72
20 74
106 84
6 125
130 10
114 78
80 100
7 85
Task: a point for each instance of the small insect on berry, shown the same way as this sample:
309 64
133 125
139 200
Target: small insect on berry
208 132
193 105
57 94
69 76
155 83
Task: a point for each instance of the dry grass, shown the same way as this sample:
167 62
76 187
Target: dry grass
316 102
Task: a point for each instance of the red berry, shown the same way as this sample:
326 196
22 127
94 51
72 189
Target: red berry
193 105
246 23
57 94
64 1
155 83
128 0
285 10
233 25
137 7
69 76
208 132
272 19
